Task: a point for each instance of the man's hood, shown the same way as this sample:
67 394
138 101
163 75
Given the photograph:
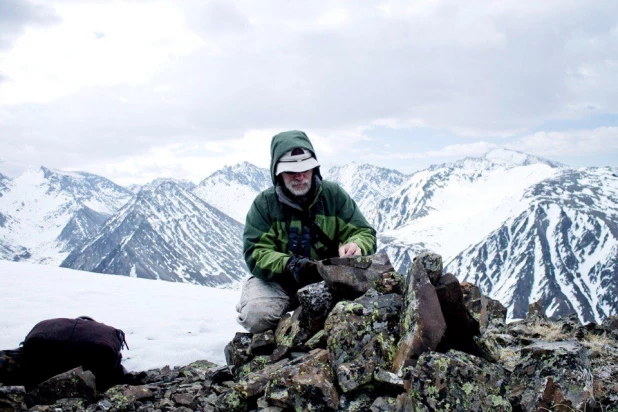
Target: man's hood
284 142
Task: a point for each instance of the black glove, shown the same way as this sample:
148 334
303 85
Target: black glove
304 270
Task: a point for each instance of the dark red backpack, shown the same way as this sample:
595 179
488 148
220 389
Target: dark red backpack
55 346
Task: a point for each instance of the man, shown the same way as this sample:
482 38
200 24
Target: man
291 225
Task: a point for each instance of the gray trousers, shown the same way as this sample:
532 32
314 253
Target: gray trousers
262 304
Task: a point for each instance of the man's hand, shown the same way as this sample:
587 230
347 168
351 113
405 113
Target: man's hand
350 249
304 270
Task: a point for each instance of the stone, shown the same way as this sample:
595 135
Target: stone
238 351
12 398
362 337
432 262
121 397
244 393
461 327
294 330
422 323
317 341
488 312
351 277
553 376
457 381
384 404
75 383
305 384
316 300
536 312
263 343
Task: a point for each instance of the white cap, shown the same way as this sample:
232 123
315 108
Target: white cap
295 161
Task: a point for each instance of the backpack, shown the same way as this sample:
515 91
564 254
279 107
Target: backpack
54 346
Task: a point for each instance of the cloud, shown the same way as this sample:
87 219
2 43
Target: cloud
600 141
16 15
457 151
169 75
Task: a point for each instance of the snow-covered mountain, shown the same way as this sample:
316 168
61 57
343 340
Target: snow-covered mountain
366 184
562 249
46 213
167 233
233 189
448 207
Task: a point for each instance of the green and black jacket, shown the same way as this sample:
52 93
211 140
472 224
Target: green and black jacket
273 213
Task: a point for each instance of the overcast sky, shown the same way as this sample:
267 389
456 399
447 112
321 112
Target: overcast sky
134 90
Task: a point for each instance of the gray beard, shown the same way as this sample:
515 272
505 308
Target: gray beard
299 191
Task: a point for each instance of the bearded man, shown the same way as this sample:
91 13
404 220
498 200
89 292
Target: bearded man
291 225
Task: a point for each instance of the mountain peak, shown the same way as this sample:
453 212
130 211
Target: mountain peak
518 158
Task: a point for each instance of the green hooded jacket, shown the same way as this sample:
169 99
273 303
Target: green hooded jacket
274 212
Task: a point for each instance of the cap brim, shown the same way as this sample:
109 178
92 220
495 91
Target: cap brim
296 167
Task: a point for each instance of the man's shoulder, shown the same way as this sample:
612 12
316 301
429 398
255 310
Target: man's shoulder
331 188
265 196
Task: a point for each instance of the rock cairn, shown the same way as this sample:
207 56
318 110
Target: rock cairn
368 339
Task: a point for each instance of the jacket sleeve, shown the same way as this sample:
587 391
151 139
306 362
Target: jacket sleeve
260 245
353 227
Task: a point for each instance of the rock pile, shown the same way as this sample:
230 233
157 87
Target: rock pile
368 339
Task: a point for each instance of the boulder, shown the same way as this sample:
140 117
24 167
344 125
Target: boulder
422 323
432 262
295 329
12 398
488 312
306 383
238 351
122 397
263 343
244 393
553 376
362 337
351 277
75 383
461 327
316 299
457 381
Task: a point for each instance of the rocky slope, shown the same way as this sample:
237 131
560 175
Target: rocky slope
46 213
233 188
562 250
366 184
166 233
379 342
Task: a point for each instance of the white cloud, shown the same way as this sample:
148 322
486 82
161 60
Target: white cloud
600 141
117 80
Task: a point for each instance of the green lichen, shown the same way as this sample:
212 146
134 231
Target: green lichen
467 388
500 401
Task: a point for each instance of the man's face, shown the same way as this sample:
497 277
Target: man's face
298 183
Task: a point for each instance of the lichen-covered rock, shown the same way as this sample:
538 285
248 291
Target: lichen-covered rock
244 393
553 376
294 330
457 381
75 383
317 341
305 384
351 277
422 324
488 312
12 398
316 299
362 337
122 397
238 351
263 343
432 262
461 328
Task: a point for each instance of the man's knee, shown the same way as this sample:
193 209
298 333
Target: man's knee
258 316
